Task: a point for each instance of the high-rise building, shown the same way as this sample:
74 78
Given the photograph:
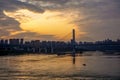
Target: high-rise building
1 41
21 41
6 41
14 41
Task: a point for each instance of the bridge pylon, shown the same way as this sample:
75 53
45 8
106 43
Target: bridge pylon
73 42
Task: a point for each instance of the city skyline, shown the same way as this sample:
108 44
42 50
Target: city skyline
13 46
93 20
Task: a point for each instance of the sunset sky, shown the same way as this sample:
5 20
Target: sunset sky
54 19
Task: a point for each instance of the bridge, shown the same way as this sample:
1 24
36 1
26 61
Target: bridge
51 48
17 45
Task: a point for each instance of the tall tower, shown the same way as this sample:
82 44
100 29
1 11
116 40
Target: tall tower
73 42
73 45
73 32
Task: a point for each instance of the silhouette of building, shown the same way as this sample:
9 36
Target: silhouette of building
14 41
58 46
22 41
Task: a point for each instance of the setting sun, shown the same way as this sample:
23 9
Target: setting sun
47 23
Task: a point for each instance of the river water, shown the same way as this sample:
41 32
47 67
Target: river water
53 67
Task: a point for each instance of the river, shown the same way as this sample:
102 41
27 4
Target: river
53 67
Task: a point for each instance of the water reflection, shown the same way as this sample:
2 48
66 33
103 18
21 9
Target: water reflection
52 67
73 60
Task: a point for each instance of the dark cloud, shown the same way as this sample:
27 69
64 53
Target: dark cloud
98 9
49 4
13 5
7 23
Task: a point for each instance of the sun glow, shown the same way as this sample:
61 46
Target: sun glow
47 23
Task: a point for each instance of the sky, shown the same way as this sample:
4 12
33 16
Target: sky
93 20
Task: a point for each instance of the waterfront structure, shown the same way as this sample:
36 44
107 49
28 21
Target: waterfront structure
37 46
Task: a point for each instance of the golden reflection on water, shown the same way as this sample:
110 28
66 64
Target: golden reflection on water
53 67
46 63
